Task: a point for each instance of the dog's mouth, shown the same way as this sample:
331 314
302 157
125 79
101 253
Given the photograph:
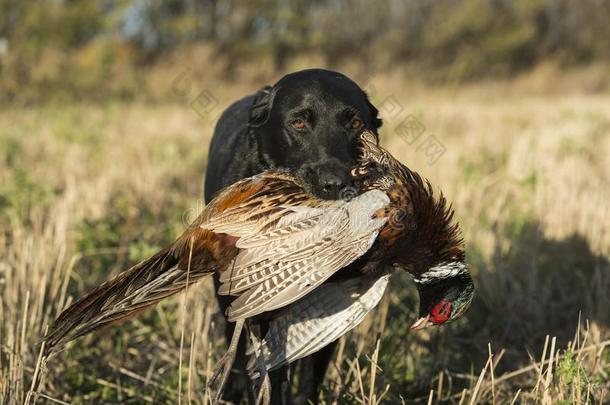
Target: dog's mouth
327 183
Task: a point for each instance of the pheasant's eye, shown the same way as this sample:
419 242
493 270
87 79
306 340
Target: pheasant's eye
441 312
298 124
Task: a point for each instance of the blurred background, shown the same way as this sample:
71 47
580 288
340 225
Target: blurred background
106 111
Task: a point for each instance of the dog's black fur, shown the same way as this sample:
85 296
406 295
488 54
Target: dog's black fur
258 132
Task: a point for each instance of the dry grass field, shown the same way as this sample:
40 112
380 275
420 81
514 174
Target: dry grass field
87 190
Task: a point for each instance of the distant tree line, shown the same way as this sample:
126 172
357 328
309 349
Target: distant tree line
85 41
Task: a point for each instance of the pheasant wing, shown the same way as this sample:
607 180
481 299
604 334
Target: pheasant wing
305 259
321 317
253 205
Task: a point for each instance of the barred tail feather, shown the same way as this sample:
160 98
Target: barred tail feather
121 298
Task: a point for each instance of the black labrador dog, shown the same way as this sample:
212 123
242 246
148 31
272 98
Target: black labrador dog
308 121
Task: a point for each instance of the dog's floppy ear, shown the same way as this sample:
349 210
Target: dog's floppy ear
259 112
375 120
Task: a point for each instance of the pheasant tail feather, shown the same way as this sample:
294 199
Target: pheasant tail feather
121 298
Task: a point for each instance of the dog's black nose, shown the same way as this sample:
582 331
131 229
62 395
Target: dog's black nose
329 180
331 184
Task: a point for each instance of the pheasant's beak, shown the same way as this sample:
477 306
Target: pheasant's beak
421 323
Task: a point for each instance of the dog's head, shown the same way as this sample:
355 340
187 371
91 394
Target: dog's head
309 121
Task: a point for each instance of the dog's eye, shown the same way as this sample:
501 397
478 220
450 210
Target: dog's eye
357 123
298 124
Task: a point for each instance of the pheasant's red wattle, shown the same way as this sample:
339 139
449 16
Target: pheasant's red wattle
441 312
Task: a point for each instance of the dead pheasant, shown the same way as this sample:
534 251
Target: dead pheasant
273 243
419 237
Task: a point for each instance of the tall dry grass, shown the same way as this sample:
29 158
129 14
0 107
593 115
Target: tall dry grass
87 190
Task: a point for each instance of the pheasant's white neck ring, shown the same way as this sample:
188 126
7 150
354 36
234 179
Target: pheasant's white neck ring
442 271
